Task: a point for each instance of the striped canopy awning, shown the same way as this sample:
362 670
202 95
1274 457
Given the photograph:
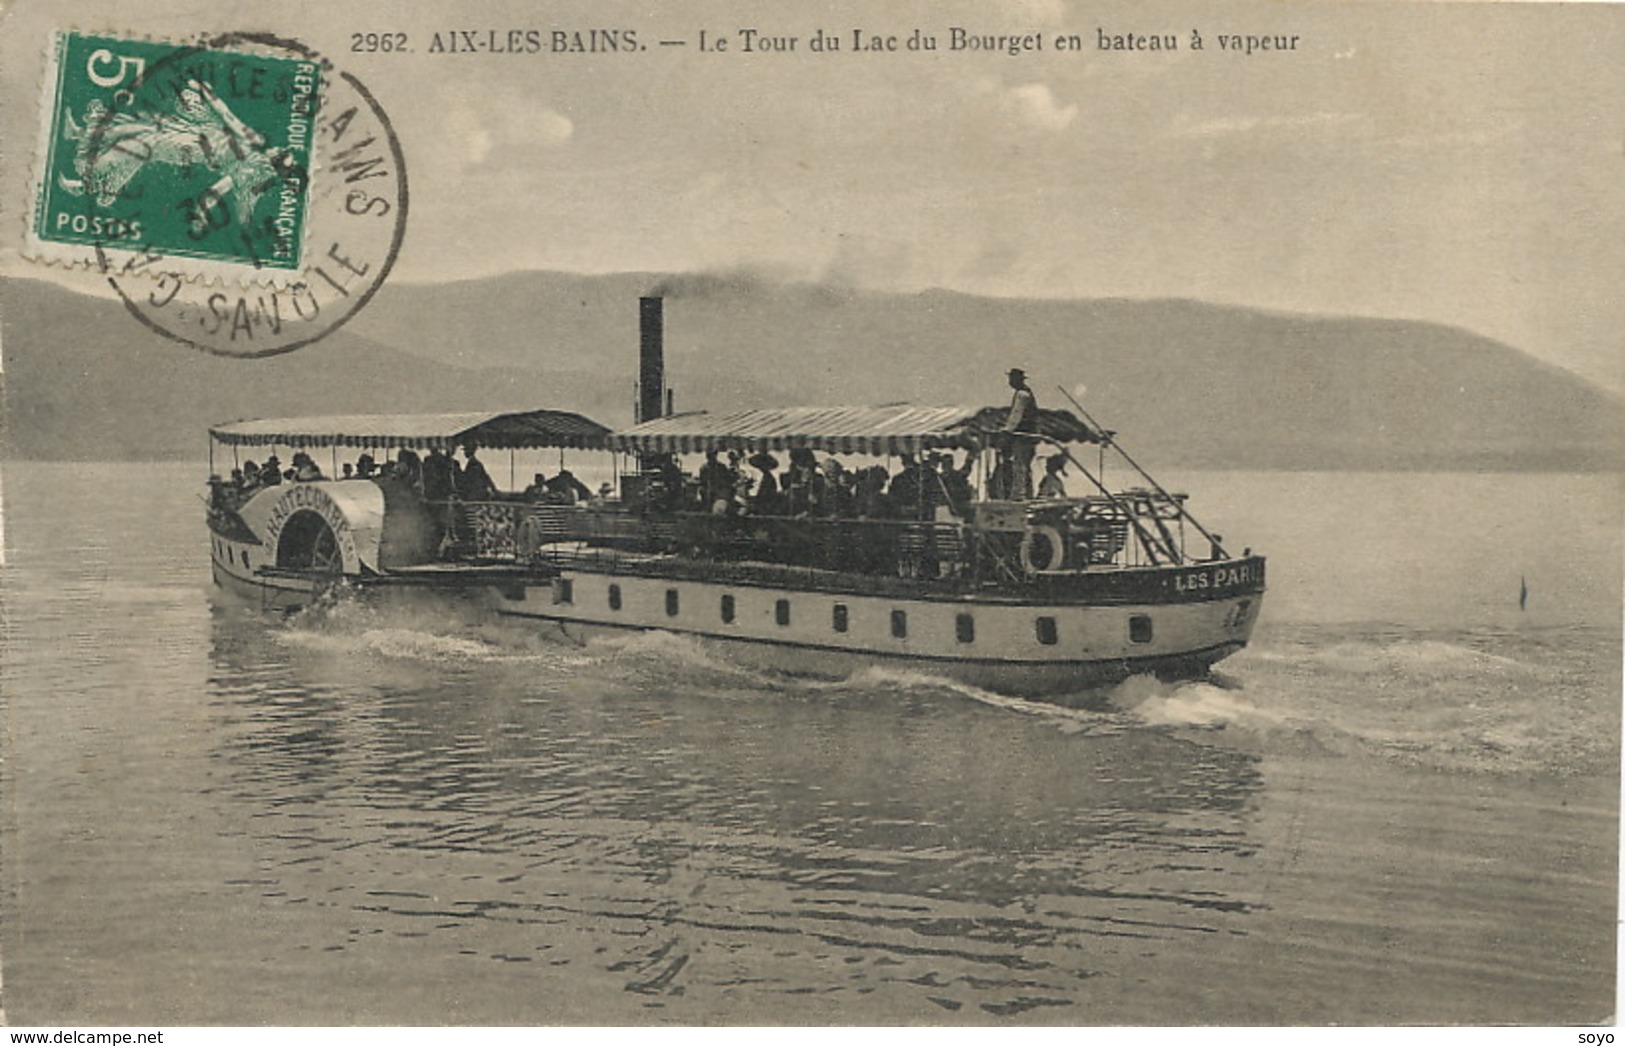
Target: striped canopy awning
511 429
896 428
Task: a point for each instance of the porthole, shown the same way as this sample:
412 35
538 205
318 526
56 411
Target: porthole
671 602
781 611
965 628
564 590
728 610
614 597
1139 628
837 617
899 624
1047 633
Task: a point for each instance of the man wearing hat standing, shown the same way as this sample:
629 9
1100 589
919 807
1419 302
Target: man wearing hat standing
1016 446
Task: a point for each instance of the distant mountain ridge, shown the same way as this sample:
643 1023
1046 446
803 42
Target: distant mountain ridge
1186 384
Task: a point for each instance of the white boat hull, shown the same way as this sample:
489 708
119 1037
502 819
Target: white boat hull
1008 647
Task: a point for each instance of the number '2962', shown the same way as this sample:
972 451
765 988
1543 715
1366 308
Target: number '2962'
372 42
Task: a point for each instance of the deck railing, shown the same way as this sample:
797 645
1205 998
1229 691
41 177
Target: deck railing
989 547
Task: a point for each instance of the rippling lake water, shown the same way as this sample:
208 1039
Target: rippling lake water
1400 805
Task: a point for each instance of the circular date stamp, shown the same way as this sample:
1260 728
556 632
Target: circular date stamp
241 194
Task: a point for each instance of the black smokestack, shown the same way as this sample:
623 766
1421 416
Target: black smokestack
651 358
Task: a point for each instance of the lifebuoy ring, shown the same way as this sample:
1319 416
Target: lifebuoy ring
1054 559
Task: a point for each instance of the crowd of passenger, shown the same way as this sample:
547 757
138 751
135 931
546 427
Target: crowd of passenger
733 486
436 475
252 477
809 488
923 485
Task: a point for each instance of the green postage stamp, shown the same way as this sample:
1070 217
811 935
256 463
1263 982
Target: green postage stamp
199 156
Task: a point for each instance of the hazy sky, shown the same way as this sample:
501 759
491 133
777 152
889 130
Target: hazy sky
1453 162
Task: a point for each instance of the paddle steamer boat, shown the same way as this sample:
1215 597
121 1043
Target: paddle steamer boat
1032 596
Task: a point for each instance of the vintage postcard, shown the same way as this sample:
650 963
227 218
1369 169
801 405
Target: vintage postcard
1030 514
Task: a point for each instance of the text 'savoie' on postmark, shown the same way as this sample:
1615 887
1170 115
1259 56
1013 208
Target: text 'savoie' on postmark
241 193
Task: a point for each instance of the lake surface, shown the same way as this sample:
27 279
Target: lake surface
1399 805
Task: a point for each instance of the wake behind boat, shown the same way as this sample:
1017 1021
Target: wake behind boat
840 560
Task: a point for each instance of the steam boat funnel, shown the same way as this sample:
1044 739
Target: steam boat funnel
651 359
